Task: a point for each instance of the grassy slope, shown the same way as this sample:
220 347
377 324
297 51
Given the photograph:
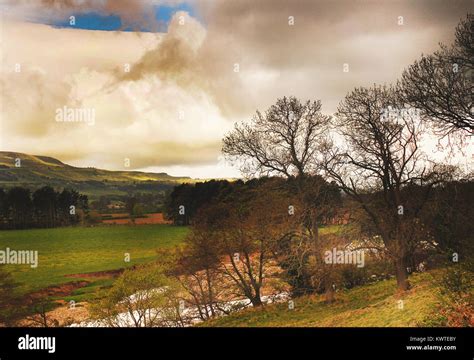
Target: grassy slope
77 250
374 305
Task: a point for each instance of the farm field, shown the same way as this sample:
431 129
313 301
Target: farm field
63 252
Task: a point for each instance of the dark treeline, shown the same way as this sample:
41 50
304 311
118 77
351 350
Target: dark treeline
150 202
44 208
442 220
185 201
450 213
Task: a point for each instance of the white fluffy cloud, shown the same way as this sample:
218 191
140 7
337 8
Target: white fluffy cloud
156 117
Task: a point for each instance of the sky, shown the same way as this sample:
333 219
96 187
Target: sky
161 82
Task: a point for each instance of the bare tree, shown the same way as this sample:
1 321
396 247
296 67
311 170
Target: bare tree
441 84
238 238
377 163
282 141
197 270
285 141
464 42
40 316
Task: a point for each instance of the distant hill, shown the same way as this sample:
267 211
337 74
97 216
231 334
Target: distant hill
36 171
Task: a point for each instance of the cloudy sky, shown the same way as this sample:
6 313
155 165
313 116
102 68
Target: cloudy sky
167 79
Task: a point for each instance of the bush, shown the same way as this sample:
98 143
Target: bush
140 297
9 300
457 296
456 282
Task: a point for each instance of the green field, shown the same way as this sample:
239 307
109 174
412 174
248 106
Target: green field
79 250
370 305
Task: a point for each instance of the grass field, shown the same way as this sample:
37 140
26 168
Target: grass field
78 250
373 305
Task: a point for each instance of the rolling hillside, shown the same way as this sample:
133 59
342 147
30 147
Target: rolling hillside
36 171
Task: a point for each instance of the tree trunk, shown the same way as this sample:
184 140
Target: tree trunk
402 274
256 299
329 294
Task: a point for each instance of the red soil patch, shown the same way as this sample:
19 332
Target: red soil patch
97 274
59 290
155 218
67 288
